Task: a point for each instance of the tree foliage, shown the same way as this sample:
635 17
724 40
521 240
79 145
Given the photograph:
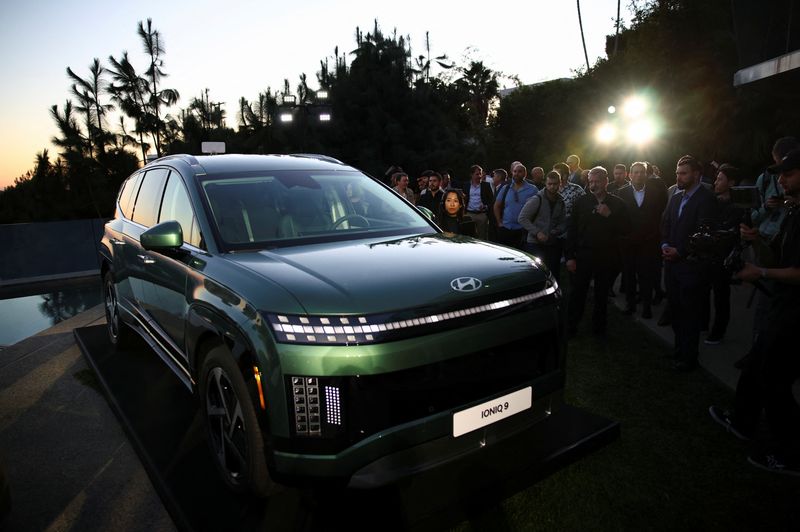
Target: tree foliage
391 106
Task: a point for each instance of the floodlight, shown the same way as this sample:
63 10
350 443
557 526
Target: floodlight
634 107
612 109
324 117
322 94
285 117
289 99
641 132
606 133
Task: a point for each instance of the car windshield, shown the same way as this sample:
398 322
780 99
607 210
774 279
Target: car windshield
294 207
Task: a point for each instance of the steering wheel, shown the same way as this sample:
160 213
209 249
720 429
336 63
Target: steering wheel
347 218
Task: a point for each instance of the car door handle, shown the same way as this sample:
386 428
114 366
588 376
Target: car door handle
147 259
116 241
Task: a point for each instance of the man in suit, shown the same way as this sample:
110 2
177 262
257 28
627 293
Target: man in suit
645 200
480 200
687 280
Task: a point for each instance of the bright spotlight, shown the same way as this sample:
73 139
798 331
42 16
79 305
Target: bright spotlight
324 117
612 109
606 133
289 99
641 132
634 107
286 117
322 94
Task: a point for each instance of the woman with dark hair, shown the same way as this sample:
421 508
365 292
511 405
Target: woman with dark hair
450 214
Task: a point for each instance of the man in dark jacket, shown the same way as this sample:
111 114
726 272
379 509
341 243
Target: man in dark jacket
480 199
433 198
687 280
592 250
645 200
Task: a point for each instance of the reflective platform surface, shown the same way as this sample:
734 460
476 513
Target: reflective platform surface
164 426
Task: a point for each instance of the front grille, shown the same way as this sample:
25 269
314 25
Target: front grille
367 404
377 402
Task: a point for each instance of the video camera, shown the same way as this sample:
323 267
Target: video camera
723 246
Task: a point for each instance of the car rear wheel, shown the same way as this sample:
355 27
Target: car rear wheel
118 332
232 429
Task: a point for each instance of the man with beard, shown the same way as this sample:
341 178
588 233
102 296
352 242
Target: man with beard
592 249
645 200
507 206
772 368
433 198
620 179
687 280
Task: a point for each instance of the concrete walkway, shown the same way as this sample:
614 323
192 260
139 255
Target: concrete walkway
69 464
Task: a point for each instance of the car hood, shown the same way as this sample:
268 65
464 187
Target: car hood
376 276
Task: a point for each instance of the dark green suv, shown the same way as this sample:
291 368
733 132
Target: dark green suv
329 328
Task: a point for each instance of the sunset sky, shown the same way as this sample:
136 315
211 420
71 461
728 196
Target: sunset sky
238 48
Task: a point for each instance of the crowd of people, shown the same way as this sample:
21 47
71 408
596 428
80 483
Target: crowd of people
681 242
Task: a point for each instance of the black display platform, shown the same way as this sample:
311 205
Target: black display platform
162 422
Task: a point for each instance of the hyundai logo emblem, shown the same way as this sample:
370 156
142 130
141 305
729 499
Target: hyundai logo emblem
465 284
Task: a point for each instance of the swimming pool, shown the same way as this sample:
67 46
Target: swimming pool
21 317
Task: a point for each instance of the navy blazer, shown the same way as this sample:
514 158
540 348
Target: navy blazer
699 209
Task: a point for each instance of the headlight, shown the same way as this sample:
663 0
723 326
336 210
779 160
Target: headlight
377 328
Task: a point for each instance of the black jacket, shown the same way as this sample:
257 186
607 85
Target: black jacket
487 195
591 236
645 221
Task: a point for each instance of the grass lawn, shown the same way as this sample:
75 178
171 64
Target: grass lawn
673 468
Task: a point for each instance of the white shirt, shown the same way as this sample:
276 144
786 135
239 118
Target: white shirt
638 195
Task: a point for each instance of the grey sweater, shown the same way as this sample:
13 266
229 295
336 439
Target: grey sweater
550 222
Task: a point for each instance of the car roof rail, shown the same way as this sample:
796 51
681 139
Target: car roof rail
319 157
191 159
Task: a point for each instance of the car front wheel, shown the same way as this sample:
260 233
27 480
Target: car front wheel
118 333
234 435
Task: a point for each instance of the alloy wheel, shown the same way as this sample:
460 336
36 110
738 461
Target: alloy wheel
226 424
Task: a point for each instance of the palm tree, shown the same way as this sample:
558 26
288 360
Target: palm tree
89 90
128 91
480 86
154 48
580 23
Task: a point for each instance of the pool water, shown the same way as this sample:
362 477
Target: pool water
22 317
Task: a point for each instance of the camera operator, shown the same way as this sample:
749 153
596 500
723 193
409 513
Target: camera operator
769 373
730 216
768 218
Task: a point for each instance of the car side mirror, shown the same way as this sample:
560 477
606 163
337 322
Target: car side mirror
427 212
163 237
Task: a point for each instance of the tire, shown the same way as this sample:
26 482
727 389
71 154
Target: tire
118 332
232 430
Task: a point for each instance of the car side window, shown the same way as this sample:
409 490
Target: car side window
128 194
149 199
177 206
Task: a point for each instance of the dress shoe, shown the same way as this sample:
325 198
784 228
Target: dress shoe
664 320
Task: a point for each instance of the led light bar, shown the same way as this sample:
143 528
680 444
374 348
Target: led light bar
333 408
360 330
305 392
